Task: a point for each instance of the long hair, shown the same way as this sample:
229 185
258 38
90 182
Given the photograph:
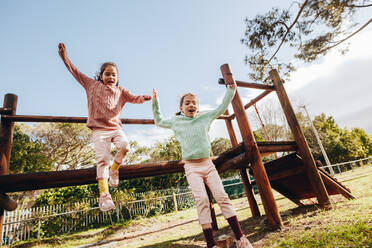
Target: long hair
98 75
181 101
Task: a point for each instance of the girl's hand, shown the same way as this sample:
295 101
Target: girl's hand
146 97
154 94
62 51
232 85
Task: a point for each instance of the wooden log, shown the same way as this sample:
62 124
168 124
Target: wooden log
254 85
249 85
243 172
66 119
253 155
276 146
213 213
70 119
55 179
6 140
303 148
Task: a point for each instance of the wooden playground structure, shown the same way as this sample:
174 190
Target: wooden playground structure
296 176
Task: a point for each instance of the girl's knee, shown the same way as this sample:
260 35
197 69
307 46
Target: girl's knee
202 200
222 198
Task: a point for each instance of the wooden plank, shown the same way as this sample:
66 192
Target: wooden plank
287 193
253 154
303 148
287 173
331 183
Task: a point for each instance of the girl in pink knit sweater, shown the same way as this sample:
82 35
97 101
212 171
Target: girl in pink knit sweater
106 100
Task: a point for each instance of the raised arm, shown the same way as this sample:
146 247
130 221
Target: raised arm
158 118
230 93
80 77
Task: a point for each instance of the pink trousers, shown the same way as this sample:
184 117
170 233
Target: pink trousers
205 172
102 140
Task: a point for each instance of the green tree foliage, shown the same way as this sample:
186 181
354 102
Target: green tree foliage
67 195
167 150
27 155
66 144
220 145
340 144
308 29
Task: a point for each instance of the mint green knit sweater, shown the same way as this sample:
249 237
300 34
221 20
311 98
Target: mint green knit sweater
192 132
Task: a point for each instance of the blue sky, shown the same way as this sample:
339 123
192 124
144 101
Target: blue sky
173 46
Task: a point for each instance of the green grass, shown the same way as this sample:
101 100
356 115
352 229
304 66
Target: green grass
348 224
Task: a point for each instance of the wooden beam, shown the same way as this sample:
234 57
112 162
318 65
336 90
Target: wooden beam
328 180
70 119
56 179
6 141
249 85
253 155
65 119
303 148
243 172
254 85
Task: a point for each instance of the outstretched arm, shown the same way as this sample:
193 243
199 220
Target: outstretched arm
80 77
135 99
230 93
159 121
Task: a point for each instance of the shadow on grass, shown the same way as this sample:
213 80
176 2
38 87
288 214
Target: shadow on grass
255 228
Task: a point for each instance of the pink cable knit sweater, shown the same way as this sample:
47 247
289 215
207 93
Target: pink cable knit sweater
105 103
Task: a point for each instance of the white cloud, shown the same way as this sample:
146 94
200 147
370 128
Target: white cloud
338 85
358 50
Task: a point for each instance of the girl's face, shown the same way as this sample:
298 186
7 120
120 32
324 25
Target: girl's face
110 75
190 106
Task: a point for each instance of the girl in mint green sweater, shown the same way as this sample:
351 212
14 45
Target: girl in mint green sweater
191 128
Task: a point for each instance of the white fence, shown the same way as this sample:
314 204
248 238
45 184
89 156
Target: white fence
346 166
26 224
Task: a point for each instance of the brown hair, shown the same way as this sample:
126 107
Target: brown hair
98 75
181 100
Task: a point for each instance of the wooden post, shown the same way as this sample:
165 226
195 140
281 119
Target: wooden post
243 172
174 197
6 140
303 148
254 156
213 213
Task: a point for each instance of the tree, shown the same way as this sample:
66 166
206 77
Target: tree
66 144
340 144
27 155
220 145
310 27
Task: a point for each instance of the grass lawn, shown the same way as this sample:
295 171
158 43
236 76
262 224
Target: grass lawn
348 224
